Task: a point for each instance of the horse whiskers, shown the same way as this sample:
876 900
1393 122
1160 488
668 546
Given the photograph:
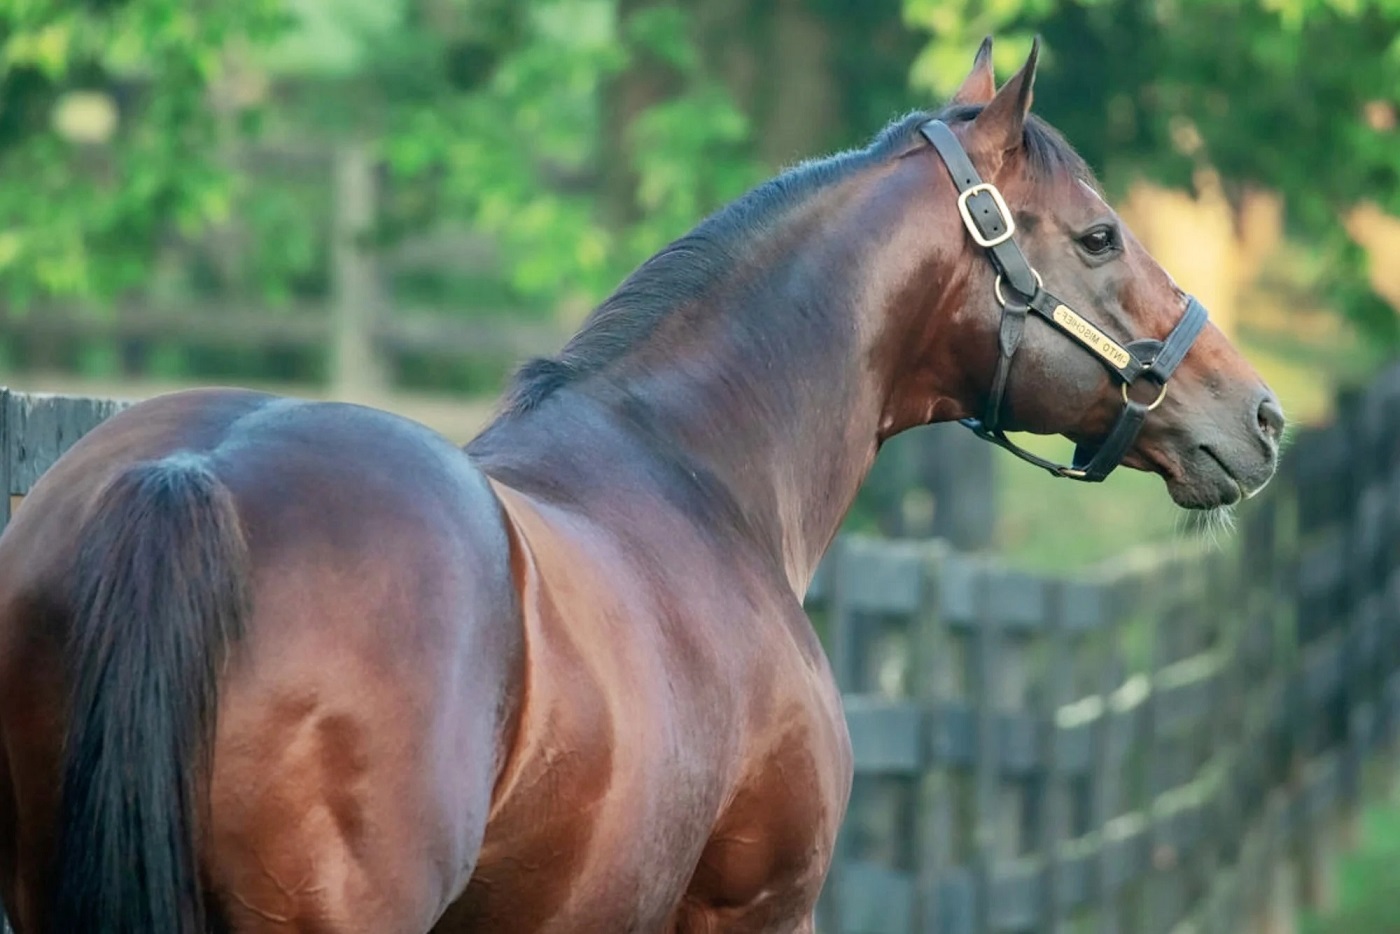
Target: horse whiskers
1213 526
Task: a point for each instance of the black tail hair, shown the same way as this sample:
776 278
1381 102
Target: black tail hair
160 588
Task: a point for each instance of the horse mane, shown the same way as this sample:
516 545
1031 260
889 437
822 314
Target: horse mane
683 271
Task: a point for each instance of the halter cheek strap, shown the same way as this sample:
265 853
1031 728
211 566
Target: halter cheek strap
1020 292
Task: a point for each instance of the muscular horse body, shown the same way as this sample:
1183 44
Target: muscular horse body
270 665
427 654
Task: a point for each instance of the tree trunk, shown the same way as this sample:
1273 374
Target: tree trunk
803 105
729 33
646 81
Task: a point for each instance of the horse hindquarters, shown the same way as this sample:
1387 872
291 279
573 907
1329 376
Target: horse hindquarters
375 700
354 598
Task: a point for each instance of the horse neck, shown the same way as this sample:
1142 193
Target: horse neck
774 386
775 415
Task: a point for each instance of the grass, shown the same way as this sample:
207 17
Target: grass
1050 524
1366 902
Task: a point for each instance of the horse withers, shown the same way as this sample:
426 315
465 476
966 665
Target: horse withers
273 665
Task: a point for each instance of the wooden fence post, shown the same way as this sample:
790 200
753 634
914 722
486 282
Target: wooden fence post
1159 900
1280 910
1058 686
357 372
1271 551
875 594
959 609
1388 590
840 653
6 446
1110 743
936 680
986 650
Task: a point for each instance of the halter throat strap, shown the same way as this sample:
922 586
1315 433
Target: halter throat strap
1020 291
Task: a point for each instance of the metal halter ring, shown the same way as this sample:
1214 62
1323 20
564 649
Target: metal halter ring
1155 402
1039 284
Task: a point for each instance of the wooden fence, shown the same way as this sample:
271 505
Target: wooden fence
359 325
1173 743
1176 742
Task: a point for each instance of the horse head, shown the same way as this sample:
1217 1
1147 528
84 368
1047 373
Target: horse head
1052 318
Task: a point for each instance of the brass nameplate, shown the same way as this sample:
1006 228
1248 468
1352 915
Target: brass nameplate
1096 340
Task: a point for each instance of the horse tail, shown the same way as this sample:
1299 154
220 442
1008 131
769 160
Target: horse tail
160 588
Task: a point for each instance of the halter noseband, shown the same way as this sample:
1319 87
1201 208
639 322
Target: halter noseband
988 220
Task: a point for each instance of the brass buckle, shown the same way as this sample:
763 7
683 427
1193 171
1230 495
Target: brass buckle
966 212
1155 402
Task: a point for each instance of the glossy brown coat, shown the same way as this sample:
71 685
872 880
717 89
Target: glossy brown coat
562 680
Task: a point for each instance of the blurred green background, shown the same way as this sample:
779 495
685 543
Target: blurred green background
394 201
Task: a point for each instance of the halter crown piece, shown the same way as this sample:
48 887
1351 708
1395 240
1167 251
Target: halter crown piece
990 224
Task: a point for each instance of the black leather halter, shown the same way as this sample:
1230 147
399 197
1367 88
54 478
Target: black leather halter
988 220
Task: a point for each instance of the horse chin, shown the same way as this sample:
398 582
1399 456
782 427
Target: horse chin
1202 485
1207 498
1206 485
1203 494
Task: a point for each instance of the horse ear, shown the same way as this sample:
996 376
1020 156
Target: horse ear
980 85
1001 122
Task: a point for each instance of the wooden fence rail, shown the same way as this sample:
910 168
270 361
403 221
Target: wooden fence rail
360 325
1173 743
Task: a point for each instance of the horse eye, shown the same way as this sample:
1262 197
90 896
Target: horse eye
1099 240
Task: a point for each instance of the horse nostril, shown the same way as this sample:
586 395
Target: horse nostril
1271 419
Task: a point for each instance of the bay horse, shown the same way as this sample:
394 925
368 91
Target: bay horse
269 665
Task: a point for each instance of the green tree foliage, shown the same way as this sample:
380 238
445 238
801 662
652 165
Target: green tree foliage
107 138
513 135
581 135
1296 96
584 134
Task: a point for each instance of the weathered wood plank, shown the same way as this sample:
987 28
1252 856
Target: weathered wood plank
1017 898
6 484
986 641
952 734
936 679
1054 811
40 428
305 327
875 900
1185 694
1109 737
881 577
887 737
